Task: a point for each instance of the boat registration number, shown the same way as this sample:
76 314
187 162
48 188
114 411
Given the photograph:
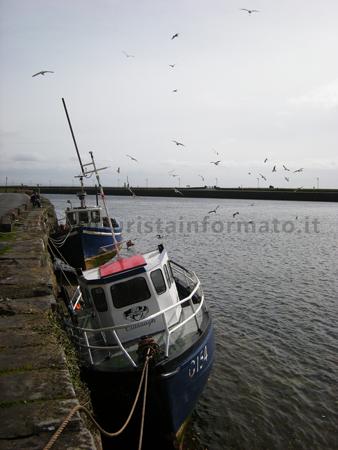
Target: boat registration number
197 364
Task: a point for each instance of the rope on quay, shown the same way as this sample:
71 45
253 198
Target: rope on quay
144 377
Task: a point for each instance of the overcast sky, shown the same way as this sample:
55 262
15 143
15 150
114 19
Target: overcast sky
249 86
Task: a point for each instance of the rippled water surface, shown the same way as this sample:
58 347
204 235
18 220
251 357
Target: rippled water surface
273 294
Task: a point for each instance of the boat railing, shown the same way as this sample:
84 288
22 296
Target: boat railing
79 332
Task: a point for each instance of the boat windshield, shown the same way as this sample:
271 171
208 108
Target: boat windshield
128 292
95 215
83 216
158 281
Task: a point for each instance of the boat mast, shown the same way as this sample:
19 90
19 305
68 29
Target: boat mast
72 133
103 200
81 195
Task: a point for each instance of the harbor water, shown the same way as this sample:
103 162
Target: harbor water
270 277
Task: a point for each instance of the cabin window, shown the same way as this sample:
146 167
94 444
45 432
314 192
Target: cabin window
128 292
99 299
71 218
167 276
170 270
83 216
95 216
105 222
158 281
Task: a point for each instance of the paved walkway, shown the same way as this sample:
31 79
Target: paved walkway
11 201
36 389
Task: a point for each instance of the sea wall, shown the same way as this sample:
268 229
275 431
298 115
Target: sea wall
314 195
38 387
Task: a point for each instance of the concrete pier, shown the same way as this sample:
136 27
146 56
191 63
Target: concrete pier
300 194
37 390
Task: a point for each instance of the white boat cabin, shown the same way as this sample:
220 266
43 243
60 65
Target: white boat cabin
88 217
124 292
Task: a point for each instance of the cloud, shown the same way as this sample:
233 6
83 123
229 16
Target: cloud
9 134
20 157
323 97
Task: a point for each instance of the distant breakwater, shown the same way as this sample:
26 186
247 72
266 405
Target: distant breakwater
314 195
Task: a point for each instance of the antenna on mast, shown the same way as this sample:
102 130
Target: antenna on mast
95 170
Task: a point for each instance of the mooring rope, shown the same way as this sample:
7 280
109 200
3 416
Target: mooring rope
144 401
63 272
59 242
63 425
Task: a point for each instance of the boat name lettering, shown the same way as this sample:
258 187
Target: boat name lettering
138 325
198 362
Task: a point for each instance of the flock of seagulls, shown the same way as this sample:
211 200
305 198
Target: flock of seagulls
214 211
180 144
274 169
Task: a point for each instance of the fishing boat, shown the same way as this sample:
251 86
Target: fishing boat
85 240
138 309
89 237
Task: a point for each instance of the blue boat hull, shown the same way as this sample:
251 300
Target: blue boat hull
182 389
86 247
97 245
174 388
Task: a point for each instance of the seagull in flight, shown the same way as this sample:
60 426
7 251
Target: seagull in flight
128 55
129 244
178 143
250 11
215 162
235 214
132 192
214 210
175 90
42 72
201 177
274 169
174 36
299 170
172 65
285 168
265 160
287 179
132 158
177 191
262 176
118 170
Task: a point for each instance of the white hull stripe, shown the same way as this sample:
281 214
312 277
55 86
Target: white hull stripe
99 233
